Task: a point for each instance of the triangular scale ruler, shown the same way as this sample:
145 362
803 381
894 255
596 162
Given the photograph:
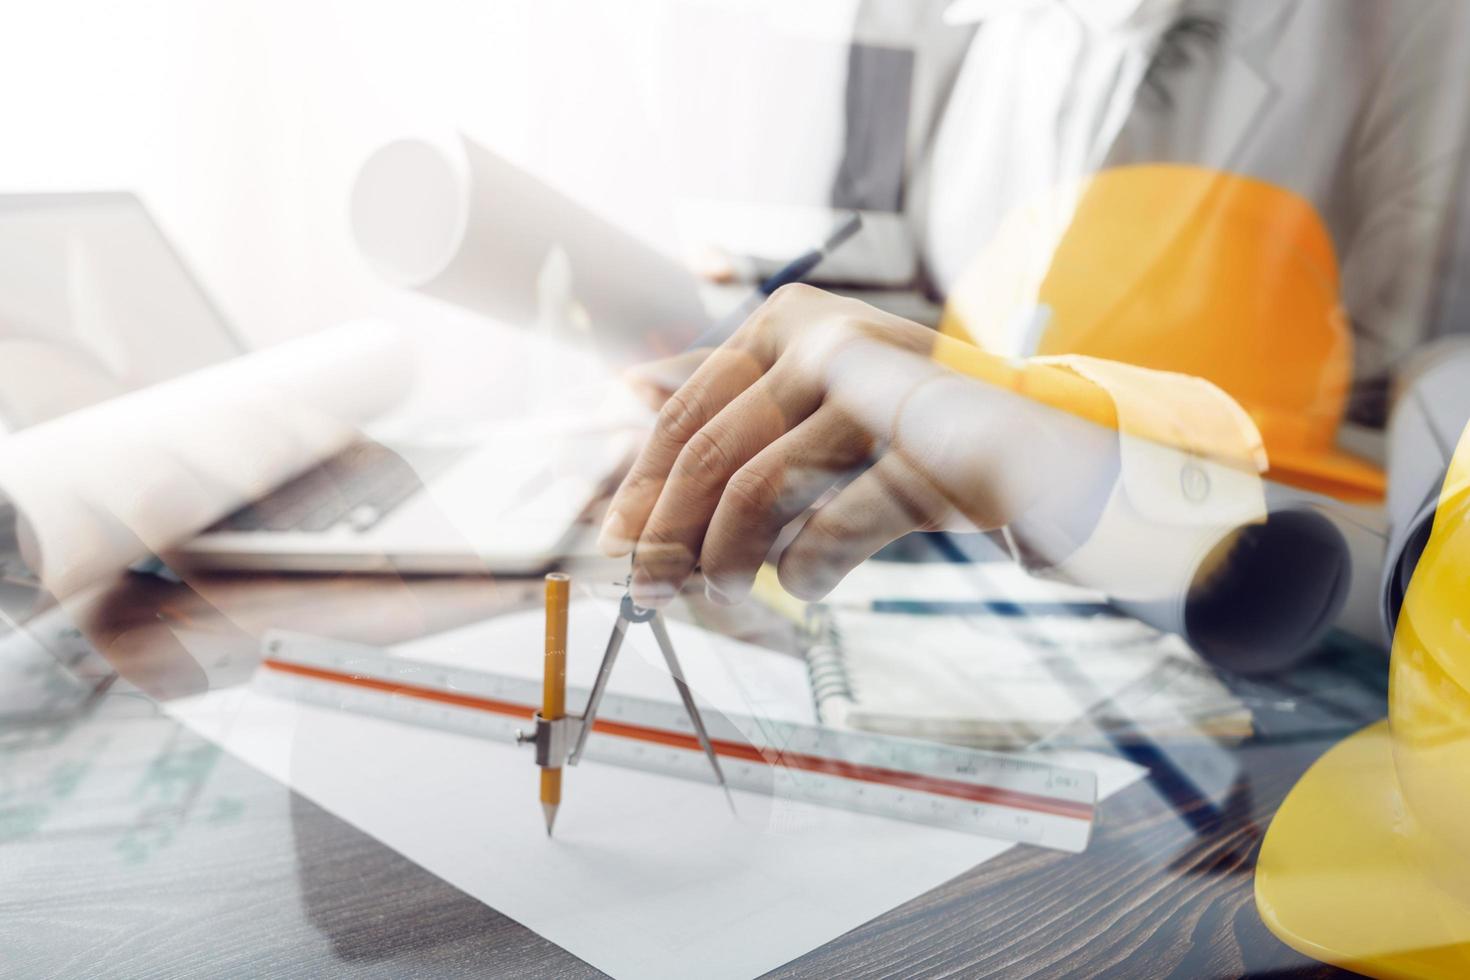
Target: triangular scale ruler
993 794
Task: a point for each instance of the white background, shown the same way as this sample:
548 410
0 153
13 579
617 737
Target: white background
242 123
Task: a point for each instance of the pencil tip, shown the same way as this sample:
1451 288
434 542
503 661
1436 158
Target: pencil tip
549 811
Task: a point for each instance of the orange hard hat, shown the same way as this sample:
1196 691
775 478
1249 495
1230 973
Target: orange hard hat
1189 270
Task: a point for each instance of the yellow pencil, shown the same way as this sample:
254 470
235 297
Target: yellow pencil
554 688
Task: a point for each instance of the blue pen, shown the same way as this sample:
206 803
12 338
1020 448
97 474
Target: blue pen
1010 608
794 271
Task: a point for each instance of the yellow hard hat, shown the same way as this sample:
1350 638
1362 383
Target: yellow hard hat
1367 863
1183 269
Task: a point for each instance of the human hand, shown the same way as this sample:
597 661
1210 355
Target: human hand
816 392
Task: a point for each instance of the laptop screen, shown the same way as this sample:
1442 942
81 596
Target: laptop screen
94 303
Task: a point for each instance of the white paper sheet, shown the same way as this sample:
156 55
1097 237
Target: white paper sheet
648 876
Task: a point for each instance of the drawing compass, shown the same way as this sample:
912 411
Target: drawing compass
561 741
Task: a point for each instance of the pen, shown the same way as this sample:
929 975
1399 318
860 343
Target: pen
793 271
991 607
554 684
767 588
798 268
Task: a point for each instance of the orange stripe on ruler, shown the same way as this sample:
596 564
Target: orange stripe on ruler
741 751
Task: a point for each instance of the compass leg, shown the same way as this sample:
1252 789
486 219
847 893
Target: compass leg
594 699
666 646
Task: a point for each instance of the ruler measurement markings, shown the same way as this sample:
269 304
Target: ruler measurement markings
792 761
808 762
939 785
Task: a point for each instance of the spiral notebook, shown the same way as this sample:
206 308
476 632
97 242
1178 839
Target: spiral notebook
1028 664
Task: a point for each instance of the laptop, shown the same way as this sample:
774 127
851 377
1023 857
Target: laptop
95 302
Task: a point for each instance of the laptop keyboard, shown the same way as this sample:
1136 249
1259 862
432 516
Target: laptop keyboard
357 488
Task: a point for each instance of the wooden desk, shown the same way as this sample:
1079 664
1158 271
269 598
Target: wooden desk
131 847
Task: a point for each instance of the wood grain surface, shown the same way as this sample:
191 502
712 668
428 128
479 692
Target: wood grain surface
188 863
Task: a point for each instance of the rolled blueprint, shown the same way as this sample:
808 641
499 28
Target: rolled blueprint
459 223
1250 597
94 491
1187 541
1427 420
1179 530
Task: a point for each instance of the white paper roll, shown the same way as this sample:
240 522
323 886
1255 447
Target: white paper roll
1186 541
459 223
107 486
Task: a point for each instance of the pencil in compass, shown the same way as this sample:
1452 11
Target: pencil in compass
554 684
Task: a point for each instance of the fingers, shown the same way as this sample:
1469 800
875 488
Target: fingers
744 397
654 382
726 373
770 491
887 501
670 541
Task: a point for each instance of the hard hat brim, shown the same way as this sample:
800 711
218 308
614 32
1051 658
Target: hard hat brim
1339 880
1332 472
